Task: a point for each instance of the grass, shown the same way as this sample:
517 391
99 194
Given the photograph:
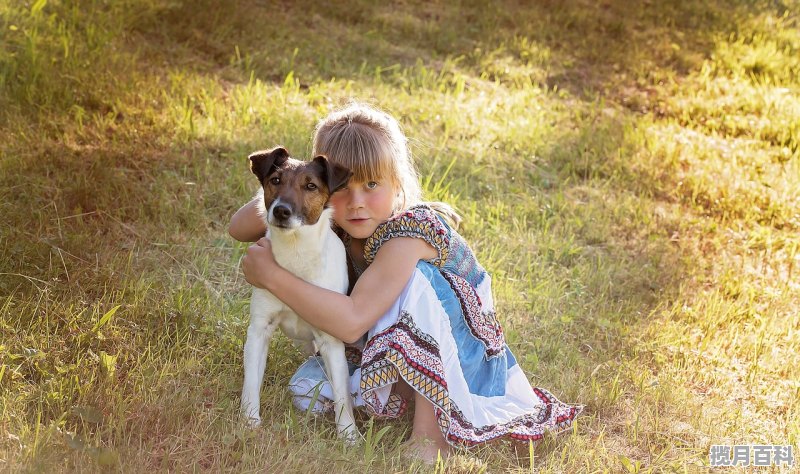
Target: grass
629 175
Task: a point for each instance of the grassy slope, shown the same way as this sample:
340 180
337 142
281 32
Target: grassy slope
628 174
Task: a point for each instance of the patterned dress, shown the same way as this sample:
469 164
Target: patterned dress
442 337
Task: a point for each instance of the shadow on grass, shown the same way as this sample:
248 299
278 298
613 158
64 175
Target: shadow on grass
575 45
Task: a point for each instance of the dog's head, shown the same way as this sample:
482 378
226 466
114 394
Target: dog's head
296 192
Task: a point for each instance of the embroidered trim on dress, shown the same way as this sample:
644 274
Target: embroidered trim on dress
418 221
352 354
553 415
482 324
404 349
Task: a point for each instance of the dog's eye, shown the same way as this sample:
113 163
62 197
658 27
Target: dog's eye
311 186
275 181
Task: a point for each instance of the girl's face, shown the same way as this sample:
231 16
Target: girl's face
360 207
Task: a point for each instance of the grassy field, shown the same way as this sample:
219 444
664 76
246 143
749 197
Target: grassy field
629 172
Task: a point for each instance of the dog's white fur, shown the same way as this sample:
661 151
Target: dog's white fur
315 254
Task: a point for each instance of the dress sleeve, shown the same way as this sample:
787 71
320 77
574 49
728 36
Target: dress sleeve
420 222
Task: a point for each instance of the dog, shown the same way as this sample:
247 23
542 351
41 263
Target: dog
298 218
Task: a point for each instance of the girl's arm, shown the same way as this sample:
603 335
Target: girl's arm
344 317
246 224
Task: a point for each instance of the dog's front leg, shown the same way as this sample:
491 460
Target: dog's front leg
259 333
332 352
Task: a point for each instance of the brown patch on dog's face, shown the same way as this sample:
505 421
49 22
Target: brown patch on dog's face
296 192
298 189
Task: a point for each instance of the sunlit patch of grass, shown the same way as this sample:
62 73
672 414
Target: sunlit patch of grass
768 53
735 108
729 178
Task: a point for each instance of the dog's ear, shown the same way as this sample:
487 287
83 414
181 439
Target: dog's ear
264 163
335 175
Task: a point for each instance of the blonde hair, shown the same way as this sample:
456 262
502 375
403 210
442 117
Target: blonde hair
371 143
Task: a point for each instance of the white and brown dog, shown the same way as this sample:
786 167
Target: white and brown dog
298 218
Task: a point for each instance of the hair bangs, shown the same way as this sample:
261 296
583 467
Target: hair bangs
359 148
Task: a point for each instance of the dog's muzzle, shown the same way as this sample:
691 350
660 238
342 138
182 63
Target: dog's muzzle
282 212
282 215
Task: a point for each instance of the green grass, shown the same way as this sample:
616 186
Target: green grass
629 174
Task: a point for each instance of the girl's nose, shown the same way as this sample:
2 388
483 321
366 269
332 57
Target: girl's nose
356 199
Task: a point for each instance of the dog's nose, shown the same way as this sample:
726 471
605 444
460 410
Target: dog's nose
282 212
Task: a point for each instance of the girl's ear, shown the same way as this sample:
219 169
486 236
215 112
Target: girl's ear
263 163
335 175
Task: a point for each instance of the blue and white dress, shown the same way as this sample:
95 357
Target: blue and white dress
442 337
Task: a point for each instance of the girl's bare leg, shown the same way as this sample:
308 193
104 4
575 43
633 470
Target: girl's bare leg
426 441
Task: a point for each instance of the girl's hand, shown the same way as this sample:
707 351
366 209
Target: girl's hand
259 263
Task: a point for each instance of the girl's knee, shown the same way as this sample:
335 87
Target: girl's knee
403 389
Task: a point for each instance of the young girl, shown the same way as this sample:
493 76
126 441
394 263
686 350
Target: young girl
423 301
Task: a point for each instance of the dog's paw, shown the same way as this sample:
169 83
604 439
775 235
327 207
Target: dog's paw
252 423
351 437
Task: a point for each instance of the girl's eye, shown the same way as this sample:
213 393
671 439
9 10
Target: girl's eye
275 181
311 186
372 184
